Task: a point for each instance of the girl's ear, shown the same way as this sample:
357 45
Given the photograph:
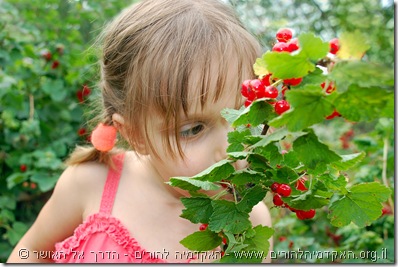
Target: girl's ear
119 123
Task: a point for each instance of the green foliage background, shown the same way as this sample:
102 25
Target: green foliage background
41 117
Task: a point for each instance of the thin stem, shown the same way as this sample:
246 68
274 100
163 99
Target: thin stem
265 129
31 106
384 170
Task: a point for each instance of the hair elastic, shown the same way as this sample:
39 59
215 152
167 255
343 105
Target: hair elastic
103 137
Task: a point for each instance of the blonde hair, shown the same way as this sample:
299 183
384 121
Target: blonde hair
149 54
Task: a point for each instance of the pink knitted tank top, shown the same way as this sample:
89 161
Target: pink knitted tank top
102 238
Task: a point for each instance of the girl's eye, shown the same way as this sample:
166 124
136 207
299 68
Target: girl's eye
191 130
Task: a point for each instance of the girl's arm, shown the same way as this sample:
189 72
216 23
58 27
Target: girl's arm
58 218
261 215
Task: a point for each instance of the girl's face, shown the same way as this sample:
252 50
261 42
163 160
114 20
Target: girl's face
202 134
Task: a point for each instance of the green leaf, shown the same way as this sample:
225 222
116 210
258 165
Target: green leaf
55 89
235 139
243 177
284 65
227 217
271 153
353 45
362 104
202 241
349 161
44 180
259 242
257 113
316 197
277 135
230 115
214 173
15 178
336 184
197 209
312 47
251 198
260 67
312 153
361 205
191 184
16 232
364 74
309 107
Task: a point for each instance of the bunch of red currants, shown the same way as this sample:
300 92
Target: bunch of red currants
267 85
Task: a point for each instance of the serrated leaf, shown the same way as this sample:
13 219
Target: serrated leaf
364 74
271 153
230 115
312 153
361 205
235 139
336 184
243 177
308 108
312 47
216 172
284 65
191 184
251 198
353 45
257 113
349 161
368 103
227 217
260 67
202 241
277 135
316 197
259 242
197 209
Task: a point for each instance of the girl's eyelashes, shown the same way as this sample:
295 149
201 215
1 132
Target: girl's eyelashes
191 130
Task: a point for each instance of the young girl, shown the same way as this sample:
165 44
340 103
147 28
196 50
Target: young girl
168 68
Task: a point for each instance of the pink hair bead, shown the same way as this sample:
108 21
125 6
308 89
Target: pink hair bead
103 137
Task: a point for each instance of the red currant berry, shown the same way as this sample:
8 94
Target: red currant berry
46 55
275 186
293 81
266 79
334 46
305 214
277 199
86 90
245 88
271 92
282 238
33 185
256 85
203 226
300 184
23 167
284 190
25 184
248 103
280 47
284 35
293 45
224 240
81 131
55 64
331 87
334 114
281 106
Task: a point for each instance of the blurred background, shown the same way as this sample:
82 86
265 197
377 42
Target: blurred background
48 76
